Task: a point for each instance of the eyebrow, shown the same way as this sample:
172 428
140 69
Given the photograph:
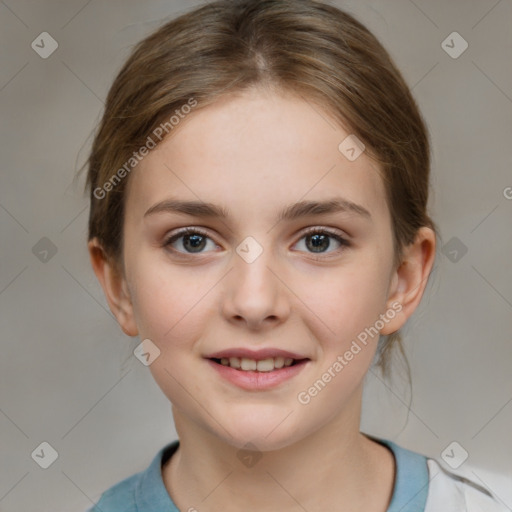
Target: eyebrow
291 212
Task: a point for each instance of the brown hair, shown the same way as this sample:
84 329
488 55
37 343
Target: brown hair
302 46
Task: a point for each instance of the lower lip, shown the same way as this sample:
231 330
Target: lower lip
258 381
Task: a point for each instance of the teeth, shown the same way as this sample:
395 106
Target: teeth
234 362
263 365
248 364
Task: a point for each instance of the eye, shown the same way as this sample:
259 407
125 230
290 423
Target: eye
192 240
319 240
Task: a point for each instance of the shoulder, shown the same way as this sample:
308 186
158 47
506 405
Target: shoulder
119 498
142 491
422 484
456 492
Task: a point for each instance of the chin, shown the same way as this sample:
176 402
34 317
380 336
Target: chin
266 430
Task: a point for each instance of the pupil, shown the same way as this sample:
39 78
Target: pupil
318 241
197 242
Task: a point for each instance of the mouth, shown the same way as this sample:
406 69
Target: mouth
246 364
257 370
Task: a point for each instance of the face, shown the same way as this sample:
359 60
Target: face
298 265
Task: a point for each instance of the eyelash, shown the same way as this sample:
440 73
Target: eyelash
310 231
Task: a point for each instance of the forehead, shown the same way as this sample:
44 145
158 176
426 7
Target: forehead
253 151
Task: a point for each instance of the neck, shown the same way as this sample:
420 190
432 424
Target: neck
333 465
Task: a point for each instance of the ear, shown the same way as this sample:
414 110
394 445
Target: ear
410 279
114 286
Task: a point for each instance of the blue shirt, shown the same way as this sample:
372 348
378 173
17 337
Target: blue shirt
146 492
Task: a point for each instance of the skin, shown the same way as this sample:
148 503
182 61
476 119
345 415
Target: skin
254 153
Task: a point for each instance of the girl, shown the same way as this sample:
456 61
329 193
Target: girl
259 185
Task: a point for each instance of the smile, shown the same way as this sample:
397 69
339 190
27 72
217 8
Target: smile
257 374
263 365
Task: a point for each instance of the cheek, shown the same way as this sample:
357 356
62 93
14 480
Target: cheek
168 303
348 308
346 302
171 309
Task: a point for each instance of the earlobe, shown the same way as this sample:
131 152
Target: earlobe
114 287
410 279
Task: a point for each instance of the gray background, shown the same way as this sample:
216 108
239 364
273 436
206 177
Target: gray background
67 375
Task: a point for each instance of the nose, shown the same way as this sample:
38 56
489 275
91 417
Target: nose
256 294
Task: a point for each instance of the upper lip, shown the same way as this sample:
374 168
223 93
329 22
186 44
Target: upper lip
258 355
